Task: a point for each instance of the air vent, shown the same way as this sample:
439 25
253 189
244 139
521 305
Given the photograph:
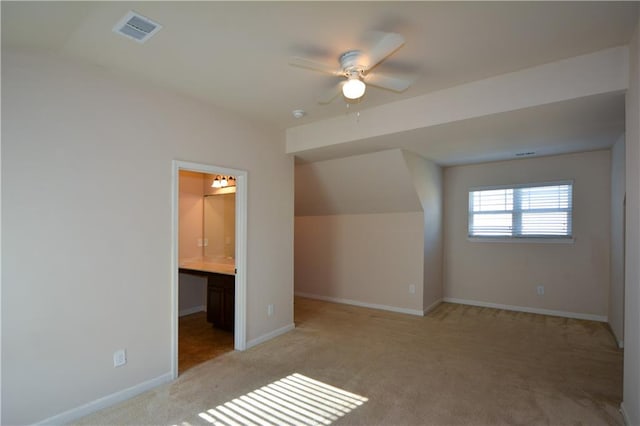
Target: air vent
136 27
525 154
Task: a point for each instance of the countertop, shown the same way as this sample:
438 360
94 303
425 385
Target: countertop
224 267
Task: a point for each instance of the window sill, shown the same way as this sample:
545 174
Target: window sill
524 240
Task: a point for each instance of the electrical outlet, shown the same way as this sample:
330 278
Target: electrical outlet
119 358
199 242
540 290
412 288
270 310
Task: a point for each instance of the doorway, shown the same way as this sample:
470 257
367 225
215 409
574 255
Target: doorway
229 254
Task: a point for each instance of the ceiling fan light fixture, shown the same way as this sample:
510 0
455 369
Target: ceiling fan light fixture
354 88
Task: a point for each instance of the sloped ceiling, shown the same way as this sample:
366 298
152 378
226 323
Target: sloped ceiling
371 183
584 124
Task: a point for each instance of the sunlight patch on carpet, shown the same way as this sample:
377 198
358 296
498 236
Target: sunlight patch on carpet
295 400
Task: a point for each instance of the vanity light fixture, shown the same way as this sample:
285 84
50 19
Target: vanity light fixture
223 181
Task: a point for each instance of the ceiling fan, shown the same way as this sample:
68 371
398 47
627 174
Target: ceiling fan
356 67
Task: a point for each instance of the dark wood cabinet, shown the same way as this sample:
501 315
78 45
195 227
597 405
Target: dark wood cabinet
221 301
221 298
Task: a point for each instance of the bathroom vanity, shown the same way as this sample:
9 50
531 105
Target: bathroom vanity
220 291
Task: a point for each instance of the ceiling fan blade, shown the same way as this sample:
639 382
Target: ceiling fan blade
385 46
387 82
313 65
331 94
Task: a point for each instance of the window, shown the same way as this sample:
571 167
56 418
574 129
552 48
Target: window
522 211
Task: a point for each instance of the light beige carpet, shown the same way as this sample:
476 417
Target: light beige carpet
459 365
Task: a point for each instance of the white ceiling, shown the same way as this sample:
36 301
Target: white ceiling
235 55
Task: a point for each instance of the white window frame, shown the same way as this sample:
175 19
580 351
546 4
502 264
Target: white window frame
516 213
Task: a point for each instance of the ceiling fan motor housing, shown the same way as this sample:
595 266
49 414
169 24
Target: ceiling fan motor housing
350 62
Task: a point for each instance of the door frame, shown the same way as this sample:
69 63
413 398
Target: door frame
240 326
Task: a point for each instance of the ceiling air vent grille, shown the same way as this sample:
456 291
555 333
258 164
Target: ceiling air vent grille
136 27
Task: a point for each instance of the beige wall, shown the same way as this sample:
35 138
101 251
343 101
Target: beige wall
191 289
368 227
631 392
192 294
190 215
427 180
616 292
575 276
366 258
86 218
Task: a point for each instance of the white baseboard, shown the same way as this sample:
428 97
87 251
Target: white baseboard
270 335
590 317
193 310
104 402
432 306
361 304
618 341
625 416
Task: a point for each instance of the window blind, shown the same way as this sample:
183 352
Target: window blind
538 211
